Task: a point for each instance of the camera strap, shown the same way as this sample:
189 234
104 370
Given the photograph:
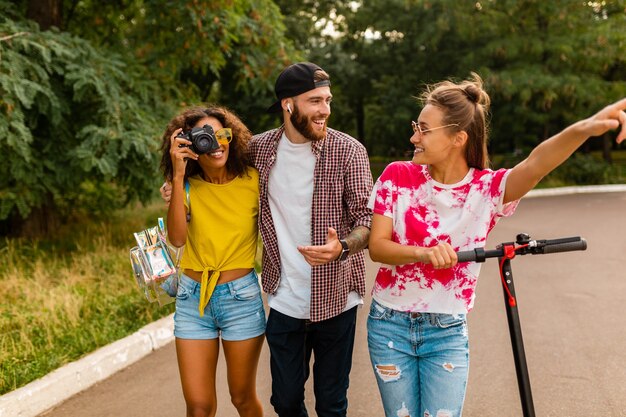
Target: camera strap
188 201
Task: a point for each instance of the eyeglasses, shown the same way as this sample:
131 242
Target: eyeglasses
417 128
224 135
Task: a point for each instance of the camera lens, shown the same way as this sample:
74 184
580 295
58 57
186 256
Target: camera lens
203 140
202 144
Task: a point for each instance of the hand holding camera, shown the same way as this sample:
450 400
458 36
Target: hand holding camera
202 139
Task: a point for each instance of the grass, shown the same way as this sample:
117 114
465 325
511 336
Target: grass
64 297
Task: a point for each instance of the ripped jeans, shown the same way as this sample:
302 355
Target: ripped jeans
421 361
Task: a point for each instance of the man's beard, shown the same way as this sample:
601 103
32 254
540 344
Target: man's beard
304 126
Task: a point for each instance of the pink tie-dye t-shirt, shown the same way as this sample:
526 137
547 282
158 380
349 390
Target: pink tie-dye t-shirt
425 212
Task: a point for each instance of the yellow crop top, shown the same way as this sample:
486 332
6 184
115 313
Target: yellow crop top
222 233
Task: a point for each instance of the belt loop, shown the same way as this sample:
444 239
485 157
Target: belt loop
433 318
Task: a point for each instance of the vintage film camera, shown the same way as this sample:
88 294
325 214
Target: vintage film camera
202 139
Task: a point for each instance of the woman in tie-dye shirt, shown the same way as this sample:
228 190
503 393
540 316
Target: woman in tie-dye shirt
443 201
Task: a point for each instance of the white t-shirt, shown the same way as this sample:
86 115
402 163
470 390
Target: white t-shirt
290 192
426 212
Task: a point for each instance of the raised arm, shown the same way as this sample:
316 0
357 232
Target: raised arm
176 212
554 151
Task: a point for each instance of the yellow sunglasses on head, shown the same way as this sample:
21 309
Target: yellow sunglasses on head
224 135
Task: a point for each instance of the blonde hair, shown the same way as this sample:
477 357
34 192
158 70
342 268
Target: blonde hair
467 105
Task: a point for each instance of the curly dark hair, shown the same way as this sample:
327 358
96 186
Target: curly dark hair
238 160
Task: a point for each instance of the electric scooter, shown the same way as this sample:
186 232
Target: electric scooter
523 245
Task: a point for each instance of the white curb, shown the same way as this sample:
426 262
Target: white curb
56 387
59 385
577 189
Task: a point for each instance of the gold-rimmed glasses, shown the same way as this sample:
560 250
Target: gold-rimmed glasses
417 128
224 135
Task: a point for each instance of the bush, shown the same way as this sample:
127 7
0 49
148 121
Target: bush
578 170
78 125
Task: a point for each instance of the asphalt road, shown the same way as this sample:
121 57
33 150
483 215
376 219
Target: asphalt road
571 307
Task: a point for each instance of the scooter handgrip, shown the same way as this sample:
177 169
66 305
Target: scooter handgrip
566 247
466 256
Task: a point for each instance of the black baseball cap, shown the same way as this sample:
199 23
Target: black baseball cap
295 80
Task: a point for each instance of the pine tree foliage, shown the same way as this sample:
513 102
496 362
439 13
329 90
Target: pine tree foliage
79 126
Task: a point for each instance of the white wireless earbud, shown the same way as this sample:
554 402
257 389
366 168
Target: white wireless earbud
289 108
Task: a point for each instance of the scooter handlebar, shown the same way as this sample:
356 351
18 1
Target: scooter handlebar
534 247
478 254
466 256
565 246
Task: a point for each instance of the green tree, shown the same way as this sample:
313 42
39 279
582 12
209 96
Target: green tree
82 104
546 64
226 51
76 127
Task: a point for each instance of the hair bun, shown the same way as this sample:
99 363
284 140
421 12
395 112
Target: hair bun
472 92
473 89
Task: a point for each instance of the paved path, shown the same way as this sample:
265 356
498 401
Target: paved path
572 313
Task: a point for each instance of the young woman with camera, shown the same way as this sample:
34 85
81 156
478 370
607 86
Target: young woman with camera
218 294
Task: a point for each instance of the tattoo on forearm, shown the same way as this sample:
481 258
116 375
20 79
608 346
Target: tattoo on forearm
358 238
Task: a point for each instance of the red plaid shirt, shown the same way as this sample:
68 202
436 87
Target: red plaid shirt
341 189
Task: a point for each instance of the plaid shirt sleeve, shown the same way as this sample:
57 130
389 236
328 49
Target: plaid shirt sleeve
358 187
343 184
262 152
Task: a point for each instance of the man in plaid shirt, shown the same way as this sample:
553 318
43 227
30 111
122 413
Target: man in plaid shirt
314 185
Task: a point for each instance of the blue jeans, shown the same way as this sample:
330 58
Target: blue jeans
291 342
421 361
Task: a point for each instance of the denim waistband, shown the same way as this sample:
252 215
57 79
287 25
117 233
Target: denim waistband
229 287
415 315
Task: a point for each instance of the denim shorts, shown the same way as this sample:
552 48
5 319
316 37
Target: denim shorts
235 310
